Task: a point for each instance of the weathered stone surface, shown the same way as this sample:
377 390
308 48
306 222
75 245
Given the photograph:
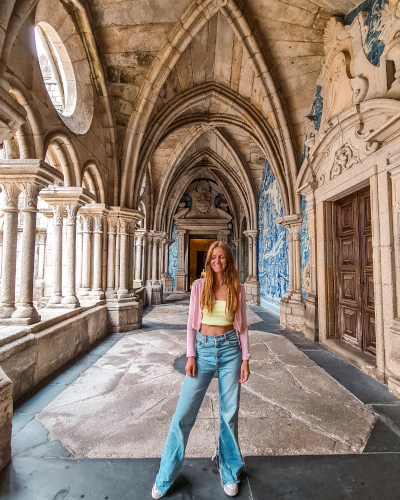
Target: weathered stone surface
6 412
288 406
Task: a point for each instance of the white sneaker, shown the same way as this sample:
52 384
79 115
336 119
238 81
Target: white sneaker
155 493
231 489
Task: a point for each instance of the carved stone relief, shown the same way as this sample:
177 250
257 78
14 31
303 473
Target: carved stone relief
344 160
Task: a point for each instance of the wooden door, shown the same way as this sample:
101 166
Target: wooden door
354 281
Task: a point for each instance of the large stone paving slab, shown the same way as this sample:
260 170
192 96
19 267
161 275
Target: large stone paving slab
121 407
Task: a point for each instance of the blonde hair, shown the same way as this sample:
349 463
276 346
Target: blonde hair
230 278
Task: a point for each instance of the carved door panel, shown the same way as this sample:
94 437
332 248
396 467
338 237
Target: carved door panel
367 276
354 280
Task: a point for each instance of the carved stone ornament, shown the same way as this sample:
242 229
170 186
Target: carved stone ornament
124 225
57 215
307 277
71 214
112 223
203 200
344 160
359 84
340 91
98 224
334 35
30 192
87 223
9 196
390 22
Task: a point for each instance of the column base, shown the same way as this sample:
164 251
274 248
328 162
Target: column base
181 282
71 302
167 282
97 294
123 293
124 315
54 300
292 311
7 311
252 289
83 292
26 313
154 293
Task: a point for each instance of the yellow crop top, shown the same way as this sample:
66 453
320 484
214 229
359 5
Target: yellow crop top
217 316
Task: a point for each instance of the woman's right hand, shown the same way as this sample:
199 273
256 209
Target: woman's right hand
190 367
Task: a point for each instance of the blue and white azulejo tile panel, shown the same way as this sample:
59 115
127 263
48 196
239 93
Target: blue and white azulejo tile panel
273 259
304 242
373 46
173 255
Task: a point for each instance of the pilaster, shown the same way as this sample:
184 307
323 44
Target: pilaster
292 308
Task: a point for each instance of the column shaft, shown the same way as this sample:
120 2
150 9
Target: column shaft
97 254
138 268
25 309
86 252
79 253
123 258
111 256
10 234
70 300
149 256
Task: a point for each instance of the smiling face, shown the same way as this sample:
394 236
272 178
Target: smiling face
218 260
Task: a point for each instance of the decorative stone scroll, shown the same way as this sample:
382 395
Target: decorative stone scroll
344 160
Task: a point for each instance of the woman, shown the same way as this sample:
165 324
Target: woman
217 340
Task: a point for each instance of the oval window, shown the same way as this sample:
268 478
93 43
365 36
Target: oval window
56 67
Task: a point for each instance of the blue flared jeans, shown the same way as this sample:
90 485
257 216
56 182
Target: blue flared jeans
223 354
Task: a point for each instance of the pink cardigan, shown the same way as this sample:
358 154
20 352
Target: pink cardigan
195 315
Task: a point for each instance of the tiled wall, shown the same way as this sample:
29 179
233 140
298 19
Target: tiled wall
304 242
374 47
173 255
273 263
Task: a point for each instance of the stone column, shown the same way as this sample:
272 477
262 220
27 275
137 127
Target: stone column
70 300
252 285
292 307
149 241
181 276
86 254
25 309
123 291
237 261
166 278
79 252
9 205
254 235
56 295
149 268
138 267
311 330
112 233
41 254
157 289
97 289
250 246
144 255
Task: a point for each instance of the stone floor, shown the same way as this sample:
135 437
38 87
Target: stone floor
311 425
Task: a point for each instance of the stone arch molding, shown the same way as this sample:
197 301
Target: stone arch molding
194 18
187 172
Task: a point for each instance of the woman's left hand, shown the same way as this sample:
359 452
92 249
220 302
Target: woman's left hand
244 371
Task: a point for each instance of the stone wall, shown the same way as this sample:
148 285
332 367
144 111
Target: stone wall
6 412
49 345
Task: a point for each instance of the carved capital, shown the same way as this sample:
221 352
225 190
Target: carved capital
57 214
72 210
112 223
9 197
30 191
86 223
97 224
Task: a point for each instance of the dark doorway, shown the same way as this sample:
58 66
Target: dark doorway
355 281
201 258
